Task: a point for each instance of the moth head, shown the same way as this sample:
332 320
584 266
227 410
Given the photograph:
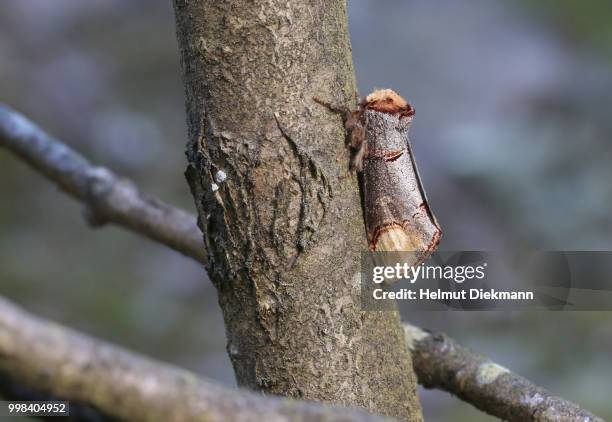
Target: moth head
388 101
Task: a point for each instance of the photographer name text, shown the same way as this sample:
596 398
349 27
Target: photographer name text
457 274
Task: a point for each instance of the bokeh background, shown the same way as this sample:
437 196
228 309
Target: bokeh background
513 136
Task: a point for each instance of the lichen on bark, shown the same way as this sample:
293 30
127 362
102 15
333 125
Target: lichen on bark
284 229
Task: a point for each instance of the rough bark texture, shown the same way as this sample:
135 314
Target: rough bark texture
115 383
280 213
442 363
439 361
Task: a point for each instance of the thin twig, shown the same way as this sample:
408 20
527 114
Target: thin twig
107 197
441 363
124 385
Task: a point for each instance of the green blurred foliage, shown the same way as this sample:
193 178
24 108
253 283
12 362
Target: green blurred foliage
587 21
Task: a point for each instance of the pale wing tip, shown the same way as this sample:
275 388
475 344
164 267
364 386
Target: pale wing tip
397 239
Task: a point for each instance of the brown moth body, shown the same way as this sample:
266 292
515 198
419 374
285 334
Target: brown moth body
397 215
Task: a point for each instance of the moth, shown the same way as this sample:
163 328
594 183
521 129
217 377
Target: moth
396 212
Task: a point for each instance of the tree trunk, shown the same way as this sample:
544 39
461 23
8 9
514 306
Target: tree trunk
280 212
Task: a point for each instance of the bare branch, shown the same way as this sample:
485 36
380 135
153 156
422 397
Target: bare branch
441 363
107 197
121 384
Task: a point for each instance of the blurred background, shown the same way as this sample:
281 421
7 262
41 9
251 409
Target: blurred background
513 137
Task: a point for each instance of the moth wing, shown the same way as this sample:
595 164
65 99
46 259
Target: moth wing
398 217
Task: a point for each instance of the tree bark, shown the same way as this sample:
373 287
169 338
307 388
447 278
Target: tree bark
104 382
442 363
280 212
107 197
439 362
